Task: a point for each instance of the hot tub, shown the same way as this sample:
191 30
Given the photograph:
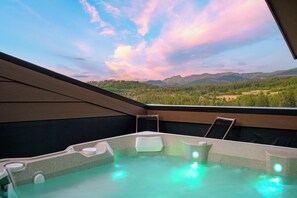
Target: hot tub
185 166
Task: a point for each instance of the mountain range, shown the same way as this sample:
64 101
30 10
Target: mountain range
219 78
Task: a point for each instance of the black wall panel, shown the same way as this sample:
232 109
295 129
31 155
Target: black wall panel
184 128
278 137
26 139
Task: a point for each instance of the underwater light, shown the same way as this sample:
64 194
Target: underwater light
194 165
119 175
195 154
278 168
117 166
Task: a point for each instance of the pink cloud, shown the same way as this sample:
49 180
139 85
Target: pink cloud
220 20
123 52
185 28
129 62
106 29
129 52
83 47
92 11
144 18
111 9
125 71
107 32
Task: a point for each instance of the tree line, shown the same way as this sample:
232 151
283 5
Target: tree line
284 89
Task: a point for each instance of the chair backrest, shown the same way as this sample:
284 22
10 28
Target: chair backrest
221 125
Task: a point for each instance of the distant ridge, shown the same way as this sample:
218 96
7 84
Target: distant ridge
219 78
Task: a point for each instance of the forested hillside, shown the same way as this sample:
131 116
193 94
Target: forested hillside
272 92
220 78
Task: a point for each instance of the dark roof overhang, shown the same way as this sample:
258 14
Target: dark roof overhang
285 15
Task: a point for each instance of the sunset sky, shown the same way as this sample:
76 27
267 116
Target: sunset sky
143 39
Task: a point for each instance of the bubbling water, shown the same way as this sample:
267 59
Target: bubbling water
163 176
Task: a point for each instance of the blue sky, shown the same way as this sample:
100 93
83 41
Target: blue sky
143 39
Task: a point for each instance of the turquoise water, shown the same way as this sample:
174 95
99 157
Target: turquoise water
164 177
